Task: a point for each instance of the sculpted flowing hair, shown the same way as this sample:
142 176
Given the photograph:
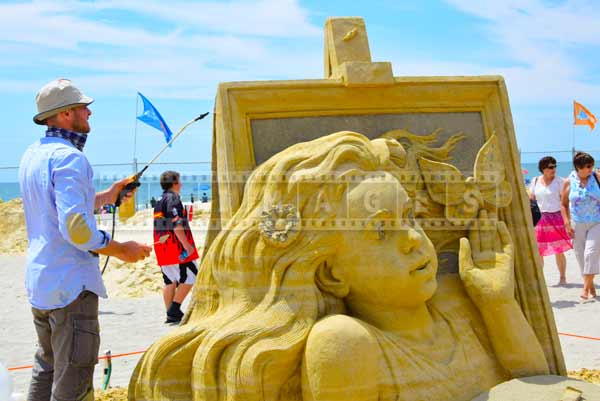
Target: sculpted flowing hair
255 302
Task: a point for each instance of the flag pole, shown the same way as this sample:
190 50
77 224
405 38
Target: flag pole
573 141
137 104
573 132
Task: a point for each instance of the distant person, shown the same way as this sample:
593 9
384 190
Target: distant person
63 277
192 198
552 237
152 202
204 197
174 246
580 203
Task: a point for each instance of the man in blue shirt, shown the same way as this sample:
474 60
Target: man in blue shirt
63 279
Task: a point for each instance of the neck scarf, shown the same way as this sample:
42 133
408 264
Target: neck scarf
78 140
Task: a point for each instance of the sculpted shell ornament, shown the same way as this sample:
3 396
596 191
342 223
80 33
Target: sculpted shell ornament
280 225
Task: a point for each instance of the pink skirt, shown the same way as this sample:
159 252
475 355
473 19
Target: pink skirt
551 235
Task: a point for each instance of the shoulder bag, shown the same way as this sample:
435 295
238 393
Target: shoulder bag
536 214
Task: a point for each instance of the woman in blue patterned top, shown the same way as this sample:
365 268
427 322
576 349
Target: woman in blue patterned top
581 213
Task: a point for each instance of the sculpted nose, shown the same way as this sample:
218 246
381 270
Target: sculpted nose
410 241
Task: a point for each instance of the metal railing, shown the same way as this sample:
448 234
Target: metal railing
195 177
559 155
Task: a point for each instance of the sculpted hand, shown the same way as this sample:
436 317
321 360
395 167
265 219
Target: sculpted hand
486 263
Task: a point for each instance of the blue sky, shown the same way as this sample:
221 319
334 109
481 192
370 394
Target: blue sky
177 52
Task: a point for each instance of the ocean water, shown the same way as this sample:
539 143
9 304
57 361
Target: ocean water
198 184
563 169
192 184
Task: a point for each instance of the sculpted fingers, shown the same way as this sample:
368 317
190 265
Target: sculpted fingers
465 259
507 245
487 233
474 237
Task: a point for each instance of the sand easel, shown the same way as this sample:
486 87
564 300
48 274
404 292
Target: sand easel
255 120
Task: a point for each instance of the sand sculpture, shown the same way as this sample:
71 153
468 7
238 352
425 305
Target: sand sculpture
378 264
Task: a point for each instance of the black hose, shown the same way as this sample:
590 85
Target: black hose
112 236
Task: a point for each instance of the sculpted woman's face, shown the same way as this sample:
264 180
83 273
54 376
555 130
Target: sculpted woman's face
394 266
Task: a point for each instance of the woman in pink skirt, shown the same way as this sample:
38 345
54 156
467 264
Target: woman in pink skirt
550 231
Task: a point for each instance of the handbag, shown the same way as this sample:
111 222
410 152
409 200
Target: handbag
536 214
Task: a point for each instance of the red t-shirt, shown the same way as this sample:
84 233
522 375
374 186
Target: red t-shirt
169 213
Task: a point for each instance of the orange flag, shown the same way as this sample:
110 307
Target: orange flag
582 116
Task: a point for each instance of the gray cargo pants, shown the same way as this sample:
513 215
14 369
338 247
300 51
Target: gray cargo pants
68 343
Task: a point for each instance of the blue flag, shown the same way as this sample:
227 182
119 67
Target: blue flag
152 117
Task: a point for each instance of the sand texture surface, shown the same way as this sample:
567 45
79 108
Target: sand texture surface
123 280
130 319
126 324
13 234
132 324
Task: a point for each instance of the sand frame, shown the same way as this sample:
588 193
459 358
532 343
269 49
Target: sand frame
238 103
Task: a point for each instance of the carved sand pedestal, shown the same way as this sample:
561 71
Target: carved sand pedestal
542 388
370 240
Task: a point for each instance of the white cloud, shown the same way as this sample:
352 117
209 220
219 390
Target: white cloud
191 48
194 45
545 41
271 18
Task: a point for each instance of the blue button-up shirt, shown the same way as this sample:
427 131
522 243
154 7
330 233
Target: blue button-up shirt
58 198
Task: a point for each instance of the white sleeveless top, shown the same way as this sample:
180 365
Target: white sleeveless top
548 197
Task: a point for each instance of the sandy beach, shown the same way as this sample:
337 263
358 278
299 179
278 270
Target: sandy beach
132 324
573 317
127 325
130 319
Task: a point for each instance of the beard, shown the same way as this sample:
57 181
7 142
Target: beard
81 125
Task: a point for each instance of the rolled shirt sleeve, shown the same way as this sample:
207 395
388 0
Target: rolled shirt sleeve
74 192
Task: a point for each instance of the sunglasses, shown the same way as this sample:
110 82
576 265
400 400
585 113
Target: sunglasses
551 166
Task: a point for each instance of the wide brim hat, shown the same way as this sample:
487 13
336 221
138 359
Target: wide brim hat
56 96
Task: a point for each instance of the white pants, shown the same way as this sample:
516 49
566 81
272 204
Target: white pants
586 244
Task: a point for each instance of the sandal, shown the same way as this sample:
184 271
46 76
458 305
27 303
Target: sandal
583 299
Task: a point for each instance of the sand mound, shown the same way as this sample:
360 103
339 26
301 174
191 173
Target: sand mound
588 375
120 393
111 394
121 279
201 211
13 232
141 217
132 280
